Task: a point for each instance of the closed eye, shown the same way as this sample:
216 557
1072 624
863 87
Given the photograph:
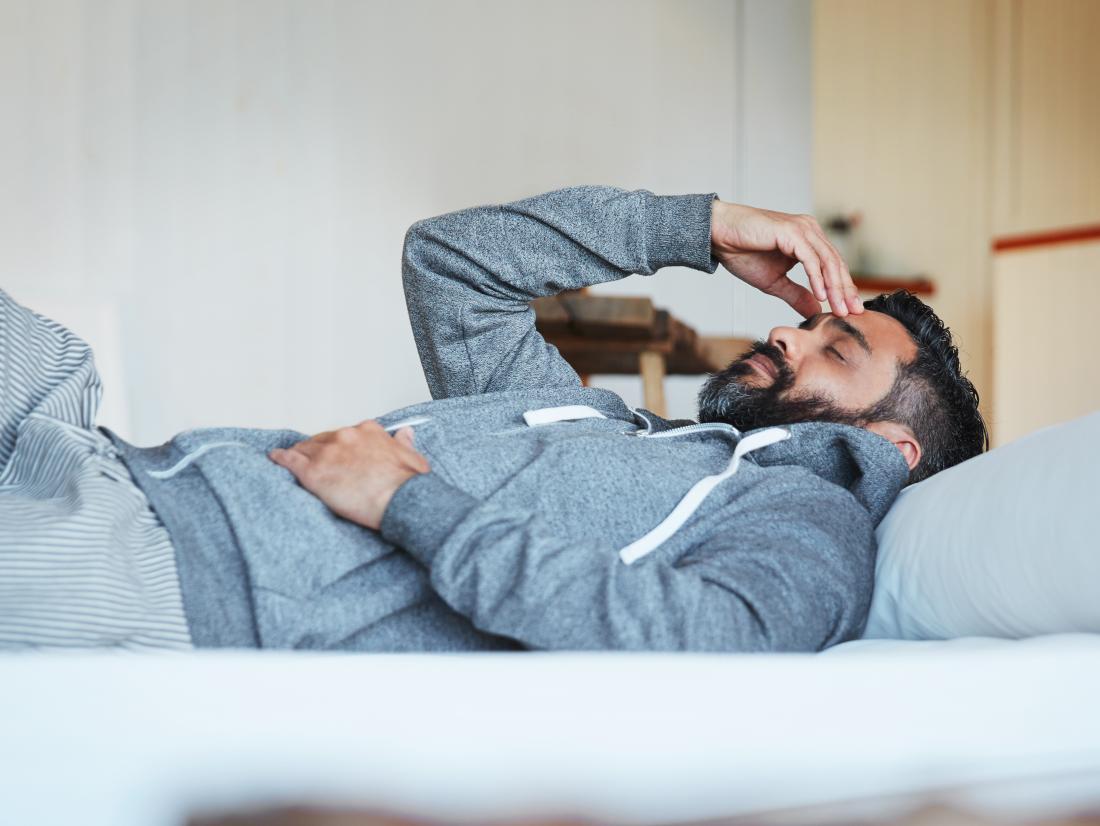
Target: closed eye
836 353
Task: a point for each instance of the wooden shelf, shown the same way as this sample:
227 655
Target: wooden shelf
871 283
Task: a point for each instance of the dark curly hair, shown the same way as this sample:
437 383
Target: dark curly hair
930 395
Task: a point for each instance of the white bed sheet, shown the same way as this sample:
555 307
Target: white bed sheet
128 740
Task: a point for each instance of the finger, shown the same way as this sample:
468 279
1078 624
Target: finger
851 291
832 269
311 447
292 460
808 257
313 444
855 303
405 437
847 284
797 296
417 462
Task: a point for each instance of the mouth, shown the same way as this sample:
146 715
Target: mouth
763 364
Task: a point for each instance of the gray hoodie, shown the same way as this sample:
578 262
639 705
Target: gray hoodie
555 516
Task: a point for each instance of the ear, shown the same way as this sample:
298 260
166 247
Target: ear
903 440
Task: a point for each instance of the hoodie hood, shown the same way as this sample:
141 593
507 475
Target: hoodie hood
862 462
865 464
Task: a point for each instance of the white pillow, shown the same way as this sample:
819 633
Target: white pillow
1006 544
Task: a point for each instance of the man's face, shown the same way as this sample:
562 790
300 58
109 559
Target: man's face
826 369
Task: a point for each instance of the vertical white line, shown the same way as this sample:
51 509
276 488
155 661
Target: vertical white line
737 184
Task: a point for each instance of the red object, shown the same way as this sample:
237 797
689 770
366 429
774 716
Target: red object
886 284
1066 235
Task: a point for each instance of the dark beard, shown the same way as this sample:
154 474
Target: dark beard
724 398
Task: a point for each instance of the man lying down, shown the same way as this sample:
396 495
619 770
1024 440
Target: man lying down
518 509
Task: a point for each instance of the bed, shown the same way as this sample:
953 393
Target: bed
975 686
865 730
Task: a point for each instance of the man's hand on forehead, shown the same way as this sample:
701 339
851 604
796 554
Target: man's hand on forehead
760 247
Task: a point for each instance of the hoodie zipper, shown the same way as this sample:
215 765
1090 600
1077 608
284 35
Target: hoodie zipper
680 431
692 428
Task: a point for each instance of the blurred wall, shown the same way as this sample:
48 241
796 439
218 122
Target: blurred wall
1046 185
902 134
235 177
955 125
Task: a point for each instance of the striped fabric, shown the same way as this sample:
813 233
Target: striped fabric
84 561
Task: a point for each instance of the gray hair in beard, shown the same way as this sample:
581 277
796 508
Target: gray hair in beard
723 398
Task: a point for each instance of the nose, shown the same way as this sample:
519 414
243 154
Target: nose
791 341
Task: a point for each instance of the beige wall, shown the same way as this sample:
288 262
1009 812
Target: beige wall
1047 367
901 133
1047 176
1047 127
949 123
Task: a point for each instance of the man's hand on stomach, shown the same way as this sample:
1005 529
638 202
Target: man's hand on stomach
354 470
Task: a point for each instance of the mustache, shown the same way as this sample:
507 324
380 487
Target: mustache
784 374
724 397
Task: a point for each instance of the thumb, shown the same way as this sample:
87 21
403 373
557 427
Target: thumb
292 460
405 438
801 299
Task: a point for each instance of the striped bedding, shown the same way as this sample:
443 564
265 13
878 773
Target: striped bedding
84 561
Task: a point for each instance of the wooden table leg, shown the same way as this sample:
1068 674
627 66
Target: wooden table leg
652 367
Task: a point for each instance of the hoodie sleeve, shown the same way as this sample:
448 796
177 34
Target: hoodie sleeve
469 275
779 583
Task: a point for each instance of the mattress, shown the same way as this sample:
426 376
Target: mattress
609 737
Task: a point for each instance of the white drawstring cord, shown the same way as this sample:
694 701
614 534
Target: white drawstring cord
191 457
694 497
195 454
413 422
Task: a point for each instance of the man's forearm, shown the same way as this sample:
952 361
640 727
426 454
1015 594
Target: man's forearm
469 275
566 239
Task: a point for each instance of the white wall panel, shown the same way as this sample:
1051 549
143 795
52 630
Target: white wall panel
236 177
769 55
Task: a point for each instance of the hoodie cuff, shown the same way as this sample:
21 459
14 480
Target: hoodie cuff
677 229
422 513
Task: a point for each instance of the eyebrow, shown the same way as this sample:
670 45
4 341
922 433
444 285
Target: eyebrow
849 330
840 324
